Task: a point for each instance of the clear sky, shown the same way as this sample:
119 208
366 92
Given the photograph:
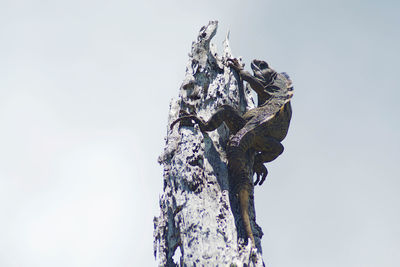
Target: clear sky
85 88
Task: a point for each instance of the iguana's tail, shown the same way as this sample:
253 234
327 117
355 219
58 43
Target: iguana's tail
244 210
240 181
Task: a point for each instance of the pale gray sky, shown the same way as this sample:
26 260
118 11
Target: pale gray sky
84 94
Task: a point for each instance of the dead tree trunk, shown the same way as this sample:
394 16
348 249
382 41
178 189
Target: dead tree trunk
200 222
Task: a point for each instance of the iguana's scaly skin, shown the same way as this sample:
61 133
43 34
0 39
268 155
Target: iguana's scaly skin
261 129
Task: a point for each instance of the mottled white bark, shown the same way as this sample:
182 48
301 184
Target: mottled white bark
199 215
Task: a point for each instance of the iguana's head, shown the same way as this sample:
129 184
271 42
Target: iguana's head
262 71
274 83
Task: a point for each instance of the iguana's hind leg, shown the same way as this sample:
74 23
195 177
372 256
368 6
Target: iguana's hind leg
269 149
225 113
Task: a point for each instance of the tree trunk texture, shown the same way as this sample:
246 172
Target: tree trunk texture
200 222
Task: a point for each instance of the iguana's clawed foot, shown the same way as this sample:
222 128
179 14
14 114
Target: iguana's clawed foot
260 171
234 63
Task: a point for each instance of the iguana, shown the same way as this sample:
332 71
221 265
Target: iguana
261 129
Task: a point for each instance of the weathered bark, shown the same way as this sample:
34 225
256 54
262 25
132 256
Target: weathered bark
199 213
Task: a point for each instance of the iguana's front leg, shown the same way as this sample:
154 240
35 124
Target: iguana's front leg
245 75
225 113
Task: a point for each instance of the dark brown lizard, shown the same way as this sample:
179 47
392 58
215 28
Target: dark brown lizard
261 129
